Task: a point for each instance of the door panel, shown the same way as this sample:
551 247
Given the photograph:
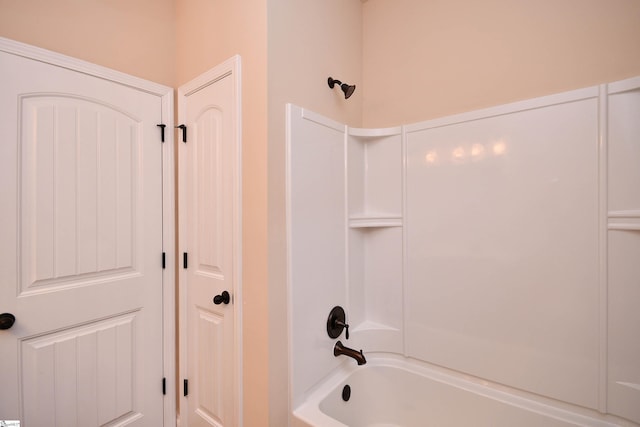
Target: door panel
210 369
208 181
81 364
78 193
208 128
80 248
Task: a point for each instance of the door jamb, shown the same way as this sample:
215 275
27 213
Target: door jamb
230 67
168 195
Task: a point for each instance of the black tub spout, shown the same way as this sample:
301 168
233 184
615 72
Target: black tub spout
358 356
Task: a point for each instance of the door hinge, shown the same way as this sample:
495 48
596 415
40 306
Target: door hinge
184 132
184 260
164 260
164 386
162 126
185 387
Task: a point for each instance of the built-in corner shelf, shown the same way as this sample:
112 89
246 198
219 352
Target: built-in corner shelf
374 336
375 246
369 325
365 134
627 220
369 221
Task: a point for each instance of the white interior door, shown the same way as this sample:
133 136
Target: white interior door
210 238
80 249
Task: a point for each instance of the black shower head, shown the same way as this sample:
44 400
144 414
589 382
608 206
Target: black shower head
347 89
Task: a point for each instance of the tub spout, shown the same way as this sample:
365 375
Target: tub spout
358 356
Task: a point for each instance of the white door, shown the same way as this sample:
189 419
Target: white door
80 249
210 238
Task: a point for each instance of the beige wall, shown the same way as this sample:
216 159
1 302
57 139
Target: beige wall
308 42
135 37
425 59
209 32
451 55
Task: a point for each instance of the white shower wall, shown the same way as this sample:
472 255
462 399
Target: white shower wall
501 243
316 177
502 246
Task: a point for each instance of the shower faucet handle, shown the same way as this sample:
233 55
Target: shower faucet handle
346 329
337 322
345 326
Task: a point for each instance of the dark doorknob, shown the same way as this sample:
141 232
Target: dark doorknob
223 298
7 320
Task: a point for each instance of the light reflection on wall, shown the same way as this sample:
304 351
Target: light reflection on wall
458 155
431 157
499 148
477 152
467 153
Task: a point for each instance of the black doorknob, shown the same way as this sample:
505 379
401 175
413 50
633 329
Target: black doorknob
7 320
223 298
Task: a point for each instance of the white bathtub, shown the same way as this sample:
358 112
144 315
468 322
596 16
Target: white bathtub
396 392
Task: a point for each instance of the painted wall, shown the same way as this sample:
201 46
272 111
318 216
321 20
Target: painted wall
426 59
452 56
308 41
133 37
209 32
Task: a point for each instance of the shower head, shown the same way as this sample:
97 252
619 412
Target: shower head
347 89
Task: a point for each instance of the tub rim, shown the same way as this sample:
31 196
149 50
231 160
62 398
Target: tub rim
308 410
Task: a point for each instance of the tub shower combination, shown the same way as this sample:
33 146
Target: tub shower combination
475 270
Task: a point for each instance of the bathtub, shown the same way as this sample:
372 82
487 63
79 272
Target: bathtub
394 391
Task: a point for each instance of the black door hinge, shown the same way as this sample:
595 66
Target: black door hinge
164 260
184 260
164 386
162 126
185 387
184 132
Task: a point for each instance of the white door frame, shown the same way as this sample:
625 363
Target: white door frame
230 67
168 193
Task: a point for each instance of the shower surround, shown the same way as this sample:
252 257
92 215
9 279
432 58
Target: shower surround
500 244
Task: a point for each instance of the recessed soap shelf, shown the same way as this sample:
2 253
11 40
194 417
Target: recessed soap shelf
375 221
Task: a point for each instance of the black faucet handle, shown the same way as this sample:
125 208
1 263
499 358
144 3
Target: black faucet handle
346 331
337 322
345 326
